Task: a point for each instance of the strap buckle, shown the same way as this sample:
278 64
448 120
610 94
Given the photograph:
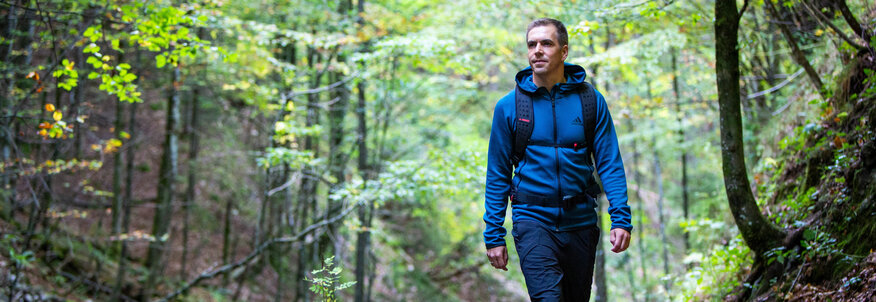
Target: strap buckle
568 202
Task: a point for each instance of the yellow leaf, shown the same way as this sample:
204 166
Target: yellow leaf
57 116
43 132
95 147
819 32
50 107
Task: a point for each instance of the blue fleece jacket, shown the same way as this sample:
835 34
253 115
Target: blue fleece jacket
553 172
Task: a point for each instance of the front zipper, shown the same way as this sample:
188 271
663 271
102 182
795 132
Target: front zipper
557 159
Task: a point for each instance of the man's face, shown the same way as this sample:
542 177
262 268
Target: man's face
545 53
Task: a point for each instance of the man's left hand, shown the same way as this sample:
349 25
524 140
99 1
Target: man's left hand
620 240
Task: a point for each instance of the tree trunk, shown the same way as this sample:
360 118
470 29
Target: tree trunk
796 53
337 160
116 223
599 269
194 148
365 211
226 240
126 205
759 233
853 22
658 178
166 185
637 177
76 109
307 196
681 138
599 273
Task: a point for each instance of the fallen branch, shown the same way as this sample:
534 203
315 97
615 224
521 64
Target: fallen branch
212 273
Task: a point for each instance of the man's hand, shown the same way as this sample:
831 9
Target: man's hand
499 257
620 240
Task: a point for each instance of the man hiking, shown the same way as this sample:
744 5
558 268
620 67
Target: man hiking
545 132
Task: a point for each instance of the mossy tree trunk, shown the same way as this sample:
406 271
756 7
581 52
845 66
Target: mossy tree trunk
760 234
166 185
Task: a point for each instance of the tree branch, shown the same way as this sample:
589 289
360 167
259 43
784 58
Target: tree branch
777 87
823 19
331 86
742 11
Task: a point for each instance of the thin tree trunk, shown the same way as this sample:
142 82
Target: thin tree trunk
76 109
658 178
796 53
631 276
194 148
759 233
126 205
307 198
681 138
364 236
637 177
226 240
6 134
116 223
599 265
599 269
166 185
337 113
852 21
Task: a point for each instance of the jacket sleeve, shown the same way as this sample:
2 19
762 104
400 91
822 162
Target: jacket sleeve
610 166
499 172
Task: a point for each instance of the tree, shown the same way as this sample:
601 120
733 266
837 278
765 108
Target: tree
166 187
760 234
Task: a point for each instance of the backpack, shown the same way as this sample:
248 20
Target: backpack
525 124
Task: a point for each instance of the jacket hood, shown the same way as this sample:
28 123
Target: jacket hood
574 74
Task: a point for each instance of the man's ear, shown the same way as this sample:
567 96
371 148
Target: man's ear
565 51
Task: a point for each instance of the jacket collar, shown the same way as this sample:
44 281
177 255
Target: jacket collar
574 74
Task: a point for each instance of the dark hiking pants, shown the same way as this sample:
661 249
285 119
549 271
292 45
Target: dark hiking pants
557 266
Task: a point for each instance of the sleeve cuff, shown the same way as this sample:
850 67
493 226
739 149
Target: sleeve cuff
626 228
489 246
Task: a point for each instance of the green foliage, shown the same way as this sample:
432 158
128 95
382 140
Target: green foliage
717 273
69 75
284 156
20 258
325 282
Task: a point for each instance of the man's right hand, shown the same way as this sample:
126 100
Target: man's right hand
498 257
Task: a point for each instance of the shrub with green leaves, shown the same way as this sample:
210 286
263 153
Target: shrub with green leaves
327 281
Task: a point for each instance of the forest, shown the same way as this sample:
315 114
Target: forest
301 150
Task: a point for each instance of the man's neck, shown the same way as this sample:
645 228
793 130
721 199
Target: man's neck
549 81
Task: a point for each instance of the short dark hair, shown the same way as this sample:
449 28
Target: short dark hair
562 35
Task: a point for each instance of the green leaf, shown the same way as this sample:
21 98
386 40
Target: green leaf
94 62
160 61
809 234
129 77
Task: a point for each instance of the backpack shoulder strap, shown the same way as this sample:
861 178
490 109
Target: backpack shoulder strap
523 122
588 108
